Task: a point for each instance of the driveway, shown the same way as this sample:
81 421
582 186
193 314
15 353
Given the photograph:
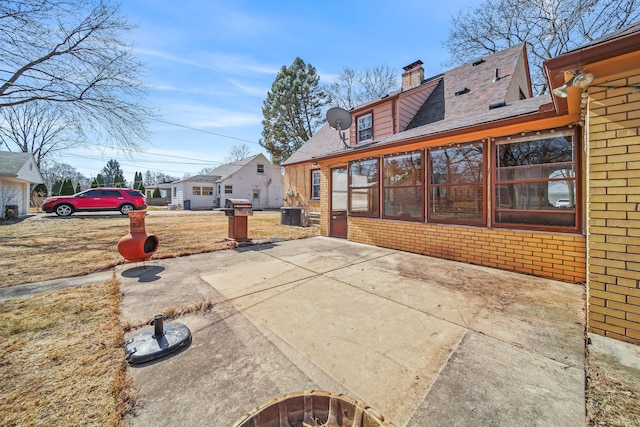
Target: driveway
425 341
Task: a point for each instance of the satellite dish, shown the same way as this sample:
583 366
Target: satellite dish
339 119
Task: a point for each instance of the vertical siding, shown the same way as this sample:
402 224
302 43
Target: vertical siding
613 206
409 103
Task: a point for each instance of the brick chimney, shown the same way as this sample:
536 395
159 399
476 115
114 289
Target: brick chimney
413 75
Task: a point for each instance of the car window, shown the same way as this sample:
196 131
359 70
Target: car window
92 193
111 193
135 193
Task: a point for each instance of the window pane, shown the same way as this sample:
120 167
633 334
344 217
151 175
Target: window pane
403 192
456 203
339 196
363 188
536 152
457 165
403 202
207 191
315 184
365 128
533 175
456 190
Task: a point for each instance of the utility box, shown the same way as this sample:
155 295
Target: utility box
186 204
11 212
292 216
238 211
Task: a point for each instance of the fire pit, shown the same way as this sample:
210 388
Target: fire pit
313 408
138 245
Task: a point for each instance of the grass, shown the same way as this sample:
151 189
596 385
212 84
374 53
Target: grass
613 398
57 369
48 247
62 359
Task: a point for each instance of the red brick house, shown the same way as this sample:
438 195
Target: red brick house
468 166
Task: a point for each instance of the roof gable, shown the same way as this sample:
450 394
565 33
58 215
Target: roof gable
19 165
225 171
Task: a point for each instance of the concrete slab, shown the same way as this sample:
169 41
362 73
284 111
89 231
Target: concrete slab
542 316
491 383
423 340
372 346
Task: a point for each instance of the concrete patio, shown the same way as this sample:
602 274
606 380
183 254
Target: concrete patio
426 342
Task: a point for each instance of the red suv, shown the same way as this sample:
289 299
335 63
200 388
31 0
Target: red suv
124 200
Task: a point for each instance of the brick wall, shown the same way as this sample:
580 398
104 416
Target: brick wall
550 255
297 178
613 206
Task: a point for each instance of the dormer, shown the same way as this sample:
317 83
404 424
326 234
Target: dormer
392 113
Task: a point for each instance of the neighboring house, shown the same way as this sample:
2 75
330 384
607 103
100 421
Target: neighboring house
468 166
254 178
165 194
17 172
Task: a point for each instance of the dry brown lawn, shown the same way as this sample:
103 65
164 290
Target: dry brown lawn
47 247
62 359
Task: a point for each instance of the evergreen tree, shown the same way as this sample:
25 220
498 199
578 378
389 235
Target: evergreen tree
67 188
119 181
141 188
55 191
293 109
94 183
156 193
100 181
78 188
113 174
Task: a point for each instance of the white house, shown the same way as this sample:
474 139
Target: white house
17 172
254 178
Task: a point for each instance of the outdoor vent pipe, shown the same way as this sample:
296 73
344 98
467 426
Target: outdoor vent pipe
497 76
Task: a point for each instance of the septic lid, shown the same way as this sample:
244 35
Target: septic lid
152 344
313 408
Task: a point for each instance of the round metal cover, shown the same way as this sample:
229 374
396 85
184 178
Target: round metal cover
313 408
146 346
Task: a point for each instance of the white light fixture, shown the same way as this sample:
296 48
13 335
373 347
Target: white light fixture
579 80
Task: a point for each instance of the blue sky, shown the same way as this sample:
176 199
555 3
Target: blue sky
210 65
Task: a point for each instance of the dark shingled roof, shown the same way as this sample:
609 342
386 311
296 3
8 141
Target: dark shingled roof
444 111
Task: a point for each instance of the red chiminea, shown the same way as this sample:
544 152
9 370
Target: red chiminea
138 245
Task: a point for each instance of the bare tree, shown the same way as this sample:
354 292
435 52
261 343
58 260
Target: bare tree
53 171
353 88
72 53
238 152
548 27
38 128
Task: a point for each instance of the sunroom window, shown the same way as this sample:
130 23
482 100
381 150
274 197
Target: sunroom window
536 181
363 187
456 184
402 186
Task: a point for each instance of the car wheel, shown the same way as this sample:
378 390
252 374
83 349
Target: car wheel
63 210
126 208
